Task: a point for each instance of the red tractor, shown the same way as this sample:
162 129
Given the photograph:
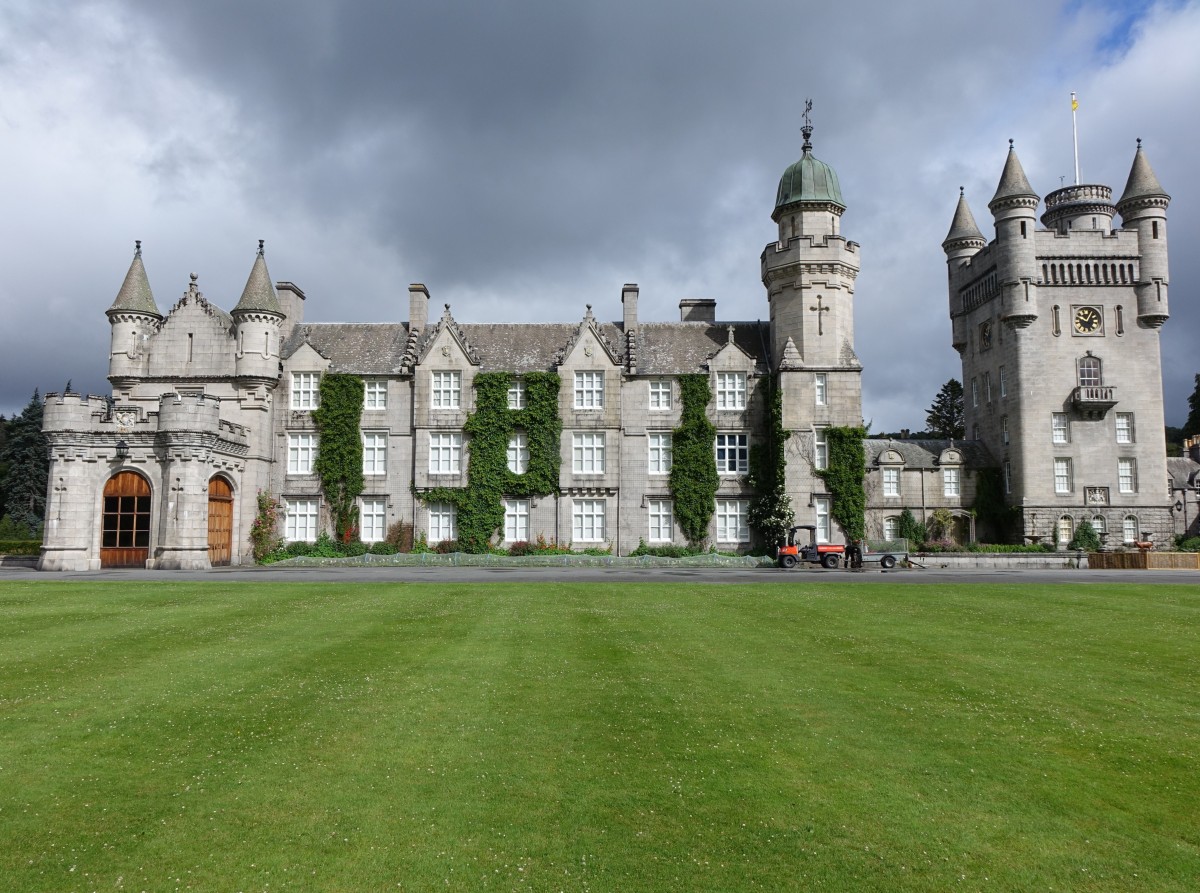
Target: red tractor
791 553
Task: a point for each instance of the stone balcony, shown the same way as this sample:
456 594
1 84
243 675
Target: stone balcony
1094 401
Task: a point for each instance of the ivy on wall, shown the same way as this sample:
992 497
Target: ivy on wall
480 504
771 509
694 480
844 477
339 462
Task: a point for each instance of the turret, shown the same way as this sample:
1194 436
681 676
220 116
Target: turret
1143 207
964 240
1014 208
258 318
133 317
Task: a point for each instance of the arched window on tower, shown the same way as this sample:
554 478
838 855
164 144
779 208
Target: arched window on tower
1089 372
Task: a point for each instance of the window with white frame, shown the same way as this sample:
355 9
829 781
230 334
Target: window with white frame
660 452
302 452
589 390
660 394
951 481
733 453
824 507
975 431
987 386
662 522
1004 429
974 392
1066 529
518 452
302 520
445 452
374 452
821 387
1062 475
1099 525
1127 475
1003 383
372 519
447 390
1060 428
1129 528
516 520
375 395
731 390
443 522
1124 427
820 449
733 520
587 452
891 481
891 528
1089 372
516 394
305 390
1007 477
587 520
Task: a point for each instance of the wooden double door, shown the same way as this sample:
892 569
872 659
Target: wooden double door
125 521
220 522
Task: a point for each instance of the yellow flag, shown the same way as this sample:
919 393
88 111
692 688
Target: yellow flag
1074 103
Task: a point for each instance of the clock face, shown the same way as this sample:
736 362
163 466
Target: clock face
1087 321
985 335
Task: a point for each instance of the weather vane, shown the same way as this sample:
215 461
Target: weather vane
807 109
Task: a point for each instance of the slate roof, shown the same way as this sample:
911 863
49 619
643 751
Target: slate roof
963 226
259 294
1184 472
1013 182
360 348
667 348
135 294
1141 182
924 453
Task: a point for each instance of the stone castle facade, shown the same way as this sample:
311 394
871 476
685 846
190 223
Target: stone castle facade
209 407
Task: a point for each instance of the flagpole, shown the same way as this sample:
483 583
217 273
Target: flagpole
1075 134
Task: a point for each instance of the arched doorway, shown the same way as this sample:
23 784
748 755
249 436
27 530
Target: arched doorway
220 522
125 523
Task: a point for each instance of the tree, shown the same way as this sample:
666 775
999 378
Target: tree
1191 427
945 417
26 456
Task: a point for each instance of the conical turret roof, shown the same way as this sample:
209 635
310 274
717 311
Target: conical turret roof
135 295
259 294
1142 182
1013 182
963 227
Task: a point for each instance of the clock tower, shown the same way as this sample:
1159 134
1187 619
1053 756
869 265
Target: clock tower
1058 330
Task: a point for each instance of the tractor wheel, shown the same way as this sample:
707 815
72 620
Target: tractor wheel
887 562
831 560
788 561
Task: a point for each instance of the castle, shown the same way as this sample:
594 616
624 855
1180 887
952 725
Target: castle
1057 329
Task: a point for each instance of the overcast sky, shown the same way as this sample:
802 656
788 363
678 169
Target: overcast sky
524 159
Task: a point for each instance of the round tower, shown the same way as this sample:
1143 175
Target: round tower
1143 207
133 317
258 319
1014 209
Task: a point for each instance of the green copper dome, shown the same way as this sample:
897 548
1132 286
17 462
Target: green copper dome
809 180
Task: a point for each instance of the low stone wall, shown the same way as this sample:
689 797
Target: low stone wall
1000 560
1140 561
18 560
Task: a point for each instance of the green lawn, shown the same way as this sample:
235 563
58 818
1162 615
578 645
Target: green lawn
513 737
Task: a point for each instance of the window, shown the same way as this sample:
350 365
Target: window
1099 525
1124 427
516 520
375 396
443 522
372 520
974 391
731 390
1062 475
1004 430
1129 528
1003 383
820 449
891 528
304 390
975 431
821 383
518 452
301 524
302 450
587 452
589 390
950 482
732 526
1089 372
516 395
1066 529
587 520
660 394
660 453
447 390
1060 428
1007 477
823 505
1127 475
662 524
891 482
445 453
733 453
987 386
374 452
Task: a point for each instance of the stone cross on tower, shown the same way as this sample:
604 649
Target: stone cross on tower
819 309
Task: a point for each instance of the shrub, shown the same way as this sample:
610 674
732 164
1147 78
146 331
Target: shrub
324 547
264 531
1086 538
596 550
1189 544
354 548
20 547
669 550
387 548
521 547
910 529
11 530
297 548
445 547
400 537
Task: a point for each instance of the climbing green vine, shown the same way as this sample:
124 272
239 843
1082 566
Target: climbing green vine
480 504
843 475
771 508
694 478
339 462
